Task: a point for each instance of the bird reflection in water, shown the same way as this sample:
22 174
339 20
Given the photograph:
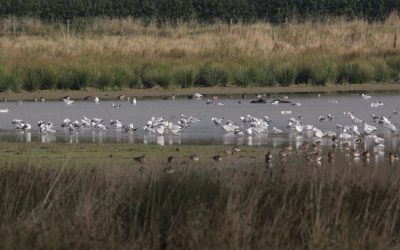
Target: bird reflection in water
47 138
97 137
162 140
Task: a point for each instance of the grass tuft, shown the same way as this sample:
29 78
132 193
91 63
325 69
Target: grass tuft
247 77
285 73
73 78
156 75
184 77
9 81
211 75
355 72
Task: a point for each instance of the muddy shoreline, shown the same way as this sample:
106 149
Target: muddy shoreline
178 92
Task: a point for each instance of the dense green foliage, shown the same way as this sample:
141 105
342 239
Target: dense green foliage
155 74
204 10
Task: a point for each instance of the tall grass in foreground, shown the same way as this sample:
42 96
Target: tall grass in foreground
282 208
41 55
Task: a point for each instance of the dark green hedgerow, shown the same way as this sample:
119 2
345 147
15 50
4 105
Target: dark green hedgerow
276 11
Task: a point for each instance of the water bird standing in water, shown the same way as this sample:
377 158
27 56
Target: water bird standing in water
379 140
67 100
278 101
369 129
46 127
325 118
286 112
334 101
116 124
366 97
277 130
354 119
217 121
197 96
230 127
20 124
376 104
129 128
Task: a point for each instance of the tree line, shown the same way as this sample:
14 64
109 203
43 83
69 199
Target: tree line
274 11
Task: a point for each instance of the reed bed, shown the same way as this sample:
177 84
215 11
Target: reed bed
202 207
129 53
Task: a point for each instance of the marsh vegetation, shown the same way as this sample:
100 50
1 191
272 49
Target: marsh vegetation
114 54
206 204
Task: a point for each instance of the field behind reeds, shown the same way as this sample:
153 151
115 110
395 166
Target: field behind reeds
126 53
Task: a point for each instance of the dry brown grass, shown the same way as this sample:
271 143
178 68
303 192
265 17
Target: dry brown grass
101 41
60 196
143 55
340 206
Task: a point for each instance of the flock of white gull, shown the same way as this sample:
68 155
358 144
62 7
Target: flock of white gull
250 125
158 126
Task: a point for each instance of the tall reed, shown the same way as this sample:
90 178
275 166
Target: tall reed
285 207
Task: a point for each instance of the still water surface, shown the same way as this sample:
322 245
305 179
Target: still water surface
203 132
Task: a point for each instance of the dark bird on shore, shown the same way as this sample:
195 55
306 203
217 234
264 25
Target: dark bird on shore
355 153
304 147
287 147
393 157
280 101
345 145
194 157
318 157
228 152
268 157
313 156
171 159
140 159
366 154
168 170
236 149
331 156
217 158
283 153
260 100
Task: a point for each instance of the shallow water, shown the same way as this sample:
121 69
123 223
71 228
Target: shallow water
203 132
